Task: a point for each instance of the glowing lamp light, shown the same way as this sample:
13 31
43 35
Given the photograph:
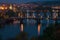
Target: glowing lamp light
10 7
53 10
2 8
5 7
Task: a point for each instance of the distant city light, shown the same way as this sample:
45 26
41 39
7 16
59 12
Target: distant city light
1 8
56 7
5 7
10 7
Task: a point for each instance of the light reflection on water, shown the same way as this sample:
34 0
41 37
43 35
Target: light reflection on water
30 27
30 24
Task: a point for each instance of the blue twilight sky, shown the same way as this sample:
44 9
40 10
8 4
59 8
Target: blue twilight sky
22 1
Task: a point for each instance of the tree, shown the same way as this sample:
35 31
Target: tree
11 13
22 36
58 32
49 33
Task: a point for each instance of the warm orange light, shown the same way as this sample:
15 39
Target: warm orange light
5 7
2 8
22 27
39 26
10 7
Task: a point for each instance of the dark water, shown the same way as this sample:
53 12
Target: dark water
10 31
30 26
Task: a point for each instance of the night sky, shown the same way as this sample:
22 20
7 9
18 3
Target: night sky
22 1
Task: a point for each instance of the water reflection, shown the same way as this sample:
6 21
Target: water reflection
29 25
10 31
